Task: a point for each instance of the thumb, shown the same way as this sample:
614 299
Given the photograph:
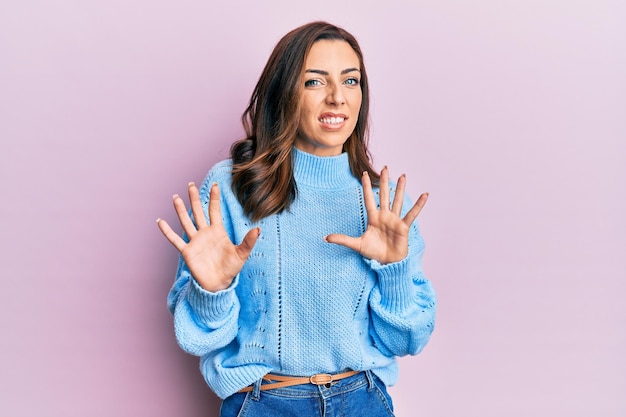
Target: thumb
344 240
248 242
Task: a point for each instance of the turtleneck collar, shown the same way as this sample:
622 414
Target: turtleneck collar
322 171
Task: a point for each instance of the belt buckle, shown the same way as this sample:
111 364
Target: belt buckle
321 379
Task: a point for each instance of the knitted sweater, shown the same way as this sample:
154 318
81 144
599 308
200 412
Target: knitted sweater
300 305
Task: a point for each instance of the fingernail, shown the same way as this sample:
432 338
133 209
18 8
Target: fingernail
175 196
158 220
191 184
366 173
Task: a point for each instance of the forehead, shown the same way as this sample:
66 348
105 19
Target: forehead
331 53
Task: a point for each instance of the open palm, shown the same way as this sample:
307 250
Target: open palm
213 259
386 238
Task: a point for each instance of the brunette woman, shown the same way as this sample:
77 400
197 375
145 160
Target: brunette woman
300 277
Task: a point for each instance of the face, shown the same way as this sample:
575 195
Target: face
331 98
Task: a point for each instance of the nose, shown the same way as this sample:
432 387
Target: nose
335 95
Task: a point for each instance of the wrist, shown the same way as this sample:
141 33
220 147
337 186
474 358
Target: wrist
213 285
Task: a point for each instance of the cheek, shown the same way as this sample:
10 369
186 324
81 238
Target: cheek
355 101
307 120
307 110
356 110
359 99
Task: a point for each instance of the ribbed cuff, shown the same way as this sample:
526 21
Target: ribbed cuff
211 307
395 284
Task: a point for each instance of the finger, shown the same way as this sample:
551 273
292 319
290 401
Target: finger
368 194
415 210
183 216
171 235
398 199
196 206
384 188
248 242
215 213
353 243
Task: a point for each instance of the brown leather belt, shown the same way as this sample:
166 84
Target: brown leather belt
290 381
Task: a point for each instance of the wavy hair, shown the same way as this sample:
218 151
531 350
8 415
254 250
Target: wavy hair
263 178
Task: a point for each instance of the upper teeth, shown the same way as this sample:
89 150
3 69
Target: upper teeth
332 120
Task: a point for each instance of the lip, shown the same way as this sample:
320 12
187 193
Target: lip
332 126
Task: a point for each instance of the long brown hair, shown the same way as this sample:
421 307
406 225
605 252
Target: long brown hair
262 162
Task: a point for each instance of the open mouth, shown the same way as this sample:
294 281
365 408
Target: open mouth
332 120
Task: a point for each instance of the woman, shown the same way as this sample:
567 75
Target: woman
299 281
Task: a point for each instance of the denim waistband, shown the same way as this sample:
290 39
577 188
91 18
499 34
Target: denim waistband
327 390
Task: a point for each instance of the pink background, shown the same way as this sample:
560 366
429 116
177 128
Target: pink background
511 113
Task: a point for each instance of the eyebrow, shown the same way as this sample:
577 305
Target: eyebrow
322 72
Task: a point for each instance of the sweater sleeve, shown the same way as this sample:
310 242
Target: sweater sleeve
203 321
402 303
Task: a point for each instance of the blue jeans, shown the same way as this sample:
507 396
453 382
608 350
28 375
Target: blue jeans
362 395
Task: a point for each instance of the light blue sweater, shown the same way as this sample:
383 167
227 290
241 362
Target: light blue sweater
301 306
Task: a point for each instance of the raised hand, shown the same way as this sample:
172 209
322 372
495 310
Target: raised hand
386 238
211 256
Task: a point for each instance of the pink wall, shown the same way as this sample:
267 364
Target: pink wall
512 115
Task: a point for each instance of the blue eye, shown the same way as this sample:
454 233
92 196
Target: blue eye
311 83
352 81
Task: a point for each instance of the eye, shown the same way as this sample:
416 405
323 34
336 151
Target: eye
312 83
353 81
